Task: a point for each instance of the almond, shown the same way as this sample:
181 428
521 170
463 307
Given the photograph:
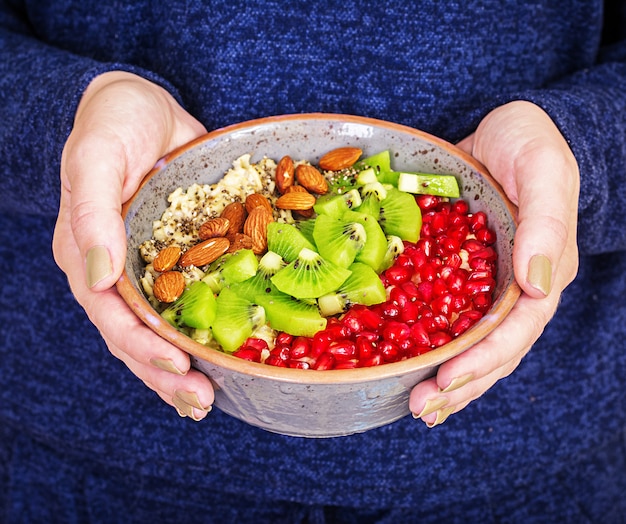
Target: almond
284 174
340 158
304 213
166 259
256 199
169 286
205 252
256 228
296 201
239 241
214 227
236 214
311 179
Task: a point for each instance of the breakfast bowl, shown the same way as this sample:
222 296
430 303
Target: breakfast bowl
310 402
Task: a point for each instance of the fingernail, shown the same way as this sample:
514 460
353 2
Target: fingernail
98 265
458 383
192 399
540 273
442 415
187 409
166 364
431 406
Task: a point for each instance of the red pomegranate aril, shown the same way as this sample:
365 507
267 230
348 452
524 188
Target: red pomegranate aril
375 360
480 264
390 351
486 236
410 312
352 323
410 289
460 302
428 272
257 343
274 360
486 253
368 317
389 310
485 285
439 224
283 339
440 338
399 274
419 333
480 274
439 287
442 305
342 349
418 258
460 206
454 260
471 245
426 291
403 260
426 202
283 352
459 233
319 344
298 364
347 364
441 323
300 348
449 245
463 323
365 348
426 246
478 221
248 353
398 296
324 362
482 302
396 331
416 351
457 281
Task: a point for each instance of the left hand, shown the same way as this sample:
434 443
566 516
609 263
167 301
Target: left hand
525 152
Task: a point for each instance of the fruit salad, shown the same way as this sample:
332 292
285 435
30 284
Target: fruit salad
340 264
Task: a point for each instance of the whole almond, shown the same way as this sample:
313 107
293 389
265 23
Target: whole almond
284 174
311 179
304 213
169 286
166 259
256 228
256 199
239 241
214 227
340 158
236 214
296 201
205 252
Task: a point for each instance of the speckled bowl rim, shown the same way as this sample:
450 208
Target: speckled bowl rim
142 308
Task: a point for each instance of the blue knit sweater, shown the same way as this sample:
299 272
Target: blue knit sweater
82 439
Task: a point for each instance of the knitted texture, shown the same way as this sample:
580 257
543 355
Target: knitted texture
83 439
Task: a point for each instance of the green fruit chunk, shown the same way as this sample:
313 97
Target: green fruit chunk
306 228
286 240
261 283
395 246
363 286
370 206
400 215
310 276
373 251
335 205
380 162
288 314
195 308
235 320
240 266
426 184
338 240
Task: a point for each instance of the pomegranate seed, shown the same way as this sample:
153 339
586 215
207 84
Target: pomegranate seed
482 301
460 207
347 364
248 353
300 348
390 351
459 233
365 348
439 223
352 324
456 281
420 334
389 310
399 274
398 296
284 339
283 352
486 236
471 245
368 317
375 360
403 260
426 291
460 302
487 253
257 343
485 285
418 258
324 361
442 304
428 272
298 364
449 245
439 338
439 287
321 341
273 360
410 312
426 246
416 351
454 261
426 202
396 331
342 349
410 289
478 221
441 322
463 323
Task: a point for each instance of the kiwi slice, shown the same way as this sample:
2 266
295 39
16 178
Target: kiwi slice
306 228
240 266
293 316
363 286
400 215
195 308
286 240
427 184
335 205
310 276
213 274
380 162
374 189
261 283
395 246
370 206
235 320
338 240
373 252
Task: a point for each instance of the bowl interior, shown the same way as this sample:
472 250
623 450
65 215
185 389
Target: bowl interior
308 137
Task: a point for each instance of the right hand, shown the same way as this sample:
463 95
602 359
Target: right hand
124 124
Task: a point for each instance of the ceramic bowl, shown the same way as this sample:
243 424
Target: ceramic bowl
304 402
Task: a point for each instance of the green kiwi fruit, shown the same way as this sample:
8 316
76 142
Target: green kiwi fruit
241 265
335 205
213 274
261 283
427 184
370 206
400 215
306 228
395 246
235 320
286 240
373 251
338 240
310 276
293 316
195 308
363 286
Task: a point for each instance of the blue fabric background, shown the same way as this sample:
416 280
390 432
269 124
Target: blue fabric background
83 440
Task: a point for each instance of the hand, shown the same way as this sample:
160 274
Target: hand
123 125
525 152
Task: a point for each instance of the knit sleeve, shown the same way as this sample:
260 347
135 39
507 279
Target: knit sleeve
589 108
40 88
